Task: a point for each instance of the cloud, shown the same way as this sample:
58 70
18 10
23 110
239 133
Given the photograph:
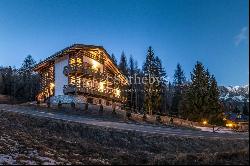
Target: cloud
241 36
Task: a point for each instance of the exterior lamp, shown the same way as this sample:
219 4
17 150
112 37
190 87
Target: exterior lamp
229 125
204 122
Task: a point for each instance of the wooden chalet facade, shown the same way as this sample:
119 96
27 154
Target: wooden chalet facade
85 70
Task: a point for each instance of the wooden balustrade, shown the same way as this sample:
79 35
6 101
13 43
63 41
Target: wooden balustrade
90 91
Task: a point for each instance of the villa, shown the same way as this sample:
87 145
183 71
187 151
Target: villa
81 70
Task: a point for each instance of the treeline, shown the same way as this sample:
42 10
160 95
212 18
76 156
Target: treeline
21 84
195 100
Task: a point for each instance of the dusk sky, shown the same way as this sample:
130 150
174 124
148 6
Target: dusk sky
214 32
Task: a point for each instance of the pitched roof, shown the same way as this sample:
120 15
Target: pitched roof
69 48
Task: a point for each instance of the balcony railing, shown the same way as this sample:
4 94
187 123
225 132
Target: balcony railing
87 72
89 91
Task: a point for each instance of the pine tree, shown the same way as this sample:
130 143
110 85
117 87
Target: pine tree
245 109
236 110
131 89
123 65
161 87
198 93
203 97
28 79
153 71
149 72
179 80
113 58
215 109
179 77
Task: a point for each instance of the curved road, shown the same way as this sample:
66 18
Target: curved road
151 129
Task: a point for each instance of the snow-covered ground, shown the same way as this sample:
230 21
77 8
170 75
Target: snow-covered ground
209 129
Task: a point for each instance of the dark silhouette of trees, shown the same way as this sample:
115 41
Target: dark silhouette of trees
154 85
245 109
179 80
202 97
123 65
20 84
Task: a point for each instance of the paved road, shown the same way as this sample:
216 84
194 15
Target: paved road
121 125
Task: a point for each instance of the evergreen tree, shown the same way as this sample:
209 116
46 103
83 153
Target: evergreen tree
20 84
155 82
198 93
28 80
113 58
179 76
245 109
236 110
179 80
215 108
131 89
123 65
202 97
161 86
149 69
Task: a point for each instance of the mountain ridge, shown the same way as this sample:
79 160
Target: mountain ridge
234 93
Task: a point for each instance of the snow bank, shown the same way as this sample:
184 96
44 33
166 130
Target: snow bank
66 99
209 129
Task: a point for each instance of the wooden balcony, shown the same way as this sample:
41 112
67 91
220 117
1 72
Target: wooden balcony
107 94
87 72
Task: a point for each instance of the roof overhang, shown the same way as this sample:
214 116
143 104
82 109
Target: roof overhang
73 48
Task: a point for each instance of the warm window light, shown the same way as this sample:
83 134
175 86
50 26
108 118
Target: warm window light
101 88
95 64
79 60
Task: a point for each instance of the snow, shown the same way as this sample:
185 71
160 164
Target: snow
210 129
67 99
225 97
238 98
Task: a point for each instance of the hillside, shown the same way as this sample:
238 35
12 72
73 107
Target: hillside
29 139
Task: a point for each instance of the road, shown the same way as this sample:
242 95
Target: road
151 129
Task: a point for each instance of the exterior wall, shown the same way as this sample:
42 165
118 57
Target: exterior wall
60 78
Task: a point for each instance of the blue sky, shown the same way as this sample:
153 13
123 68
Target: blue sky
214 32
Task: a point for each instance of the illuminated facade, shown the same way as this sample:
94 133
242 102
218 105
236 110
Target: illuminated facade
84 70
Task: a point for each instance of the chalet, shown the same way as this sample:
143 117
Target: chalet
81 70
